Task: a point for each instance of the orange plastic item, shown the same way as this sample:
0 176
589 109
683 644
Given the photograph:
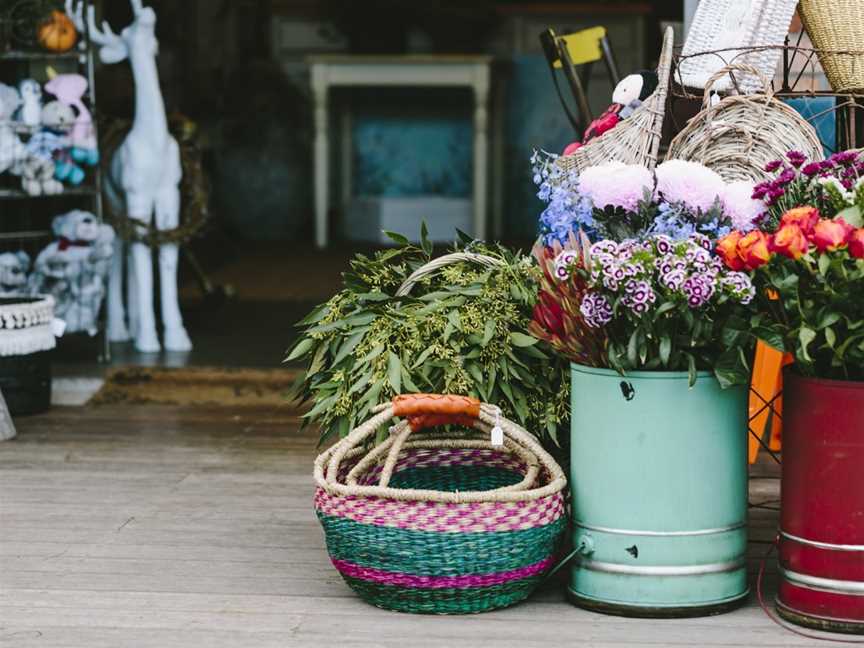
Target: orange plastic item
410 405
766 402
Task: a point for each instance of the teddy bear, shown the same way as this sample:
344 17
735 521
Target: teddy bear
59 119
74 269
70 90
12 149
13 273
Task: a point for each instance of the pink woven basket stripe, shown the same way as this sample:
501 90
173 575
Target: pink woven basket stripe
440 582
443 517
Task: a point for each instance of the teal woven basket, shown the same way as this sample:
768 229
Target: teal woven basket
439 525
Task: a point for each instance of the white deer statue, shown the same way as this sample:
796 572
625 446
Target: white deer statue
144 183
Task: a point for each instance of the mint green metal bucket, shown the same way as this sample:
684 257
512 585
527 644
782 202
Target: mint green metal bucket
659 481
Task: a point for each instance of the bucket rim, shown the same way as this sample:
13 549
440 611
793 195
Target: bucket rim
642 375
789 374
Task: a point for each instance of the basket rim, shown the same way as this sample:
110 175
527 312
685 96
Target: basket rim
517 441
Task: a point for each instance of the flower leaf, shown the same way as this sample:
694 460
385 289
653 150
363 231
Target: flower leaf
394 372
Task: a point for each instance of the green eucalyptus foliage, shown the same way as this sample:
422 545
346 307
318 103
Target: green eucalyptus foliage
462 330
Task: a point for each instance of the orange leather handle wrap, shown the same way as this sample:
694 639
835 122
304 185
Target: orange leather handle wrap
411 405
425 421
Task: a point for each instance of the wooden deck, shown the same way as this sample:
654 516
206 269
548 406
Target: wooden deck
157 527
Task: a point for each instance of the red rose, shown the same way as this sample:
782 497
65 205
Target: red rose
829 235
804 217
790 241
753 250
856 243
727 248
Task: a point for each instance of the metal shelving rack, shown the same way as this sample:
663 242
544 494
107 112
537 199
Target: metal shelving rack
15 63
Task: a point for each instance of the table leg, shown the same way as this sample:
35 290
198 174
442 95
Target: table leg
481 149
322 150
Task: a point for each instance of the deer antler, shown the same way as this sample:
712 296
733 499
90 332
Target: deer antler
105 36
75 11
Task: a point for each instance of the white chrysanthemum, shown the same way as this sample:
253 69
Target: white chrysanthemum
740 207
615 185
689 183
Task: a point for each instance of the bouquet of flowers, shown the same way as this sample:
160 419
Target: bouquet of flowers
653 304
833 186
810 275
620 202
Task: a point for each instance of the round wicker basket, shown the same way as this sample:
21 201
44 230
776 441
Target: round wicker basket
440 524
836 28
637 139
739 135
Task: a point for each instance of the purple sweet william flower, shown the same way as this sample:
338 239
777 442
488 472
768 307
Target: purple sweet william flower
698 289
596 310
773 165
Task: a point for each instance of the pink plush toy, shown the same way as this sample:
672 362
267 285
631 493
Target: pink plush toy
70 90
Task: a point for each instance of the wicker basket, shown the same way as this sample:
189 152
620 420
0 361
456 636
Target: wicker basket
637 139
721 27
739 135
836 28
440 524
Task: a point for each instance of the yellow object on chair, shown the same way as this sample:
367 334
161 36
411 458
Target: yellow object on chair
766 402
583 46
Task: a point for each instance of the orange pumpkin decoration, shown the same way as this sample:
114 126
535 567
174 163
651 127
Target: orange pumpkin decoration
57 33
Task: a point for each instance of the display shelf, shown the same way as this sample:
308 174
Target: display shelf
20 194
36 55
26 222
25 235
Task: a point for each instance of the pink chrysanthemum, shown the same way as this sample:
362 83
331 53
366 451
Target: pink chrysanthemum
739 206
615 184
690 183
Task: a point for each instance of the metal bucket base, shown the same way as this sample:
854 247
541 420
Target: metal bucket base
819 623
649 612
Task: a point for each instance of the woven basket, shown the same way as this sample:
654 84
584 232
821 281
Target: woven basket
440 525
727 25
836 28
739 135
636 140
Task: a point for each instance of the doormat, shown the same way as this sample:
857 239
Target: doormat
196 386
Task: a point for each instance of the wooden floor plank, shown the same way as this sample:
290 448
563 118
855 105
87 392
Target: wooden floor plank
156 527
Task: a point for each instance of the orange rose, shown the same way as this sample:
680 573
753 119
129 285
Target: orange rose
790 241
804 217
727 248
856 243
753 250
829 235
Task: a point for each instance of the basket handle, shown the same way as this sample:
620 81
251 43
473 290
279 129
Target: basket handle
431 410
728 69
448 259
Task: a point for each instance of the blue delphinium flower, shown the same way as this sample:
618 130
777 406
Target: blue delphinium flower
566 209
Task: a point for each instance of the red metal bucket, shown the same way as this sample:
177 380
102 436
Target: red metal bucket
822 519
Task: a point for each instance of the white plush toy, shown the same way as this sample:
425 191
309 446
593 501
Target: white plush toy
74 269
12 149
31 96
13 273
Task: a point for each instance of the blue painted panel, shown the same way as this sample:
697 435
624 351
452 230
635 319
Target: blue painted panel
420 151
535 119
826 121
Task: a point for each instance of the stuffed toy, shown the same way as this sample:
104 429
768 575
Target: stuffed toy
12 149
38 176
13 273
74 269
30 113
628 95
70 90
59 118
